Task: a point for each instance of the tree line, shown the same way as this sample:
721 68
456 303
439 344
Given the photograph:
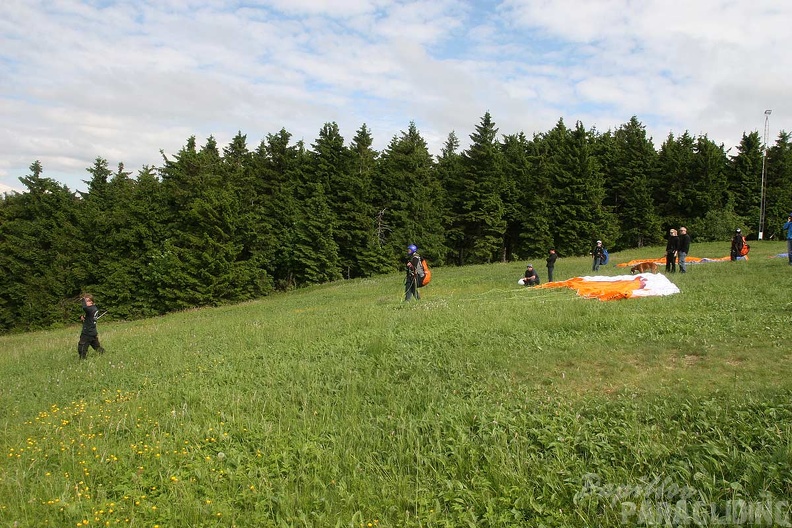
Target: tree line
212 226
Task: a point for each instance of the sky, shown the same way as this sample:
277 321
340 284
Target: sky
131 81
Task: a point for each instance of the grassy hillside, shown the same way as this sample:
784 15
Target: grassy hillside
484 404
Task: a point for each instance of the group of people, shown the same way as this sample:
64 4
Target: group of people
677 248
531 278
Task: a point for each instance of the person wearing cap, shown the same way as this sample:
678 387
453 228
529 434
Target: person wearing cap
737 243
684 248
599 255
530 278
788 229
414 273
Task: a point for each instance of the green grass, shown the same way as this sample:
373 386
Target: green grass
484 404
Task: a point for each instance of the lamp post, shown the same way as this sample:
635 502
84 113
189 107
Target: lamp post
763 199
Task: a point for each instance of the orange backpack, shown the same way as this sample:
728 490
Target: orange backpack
427 276
745 248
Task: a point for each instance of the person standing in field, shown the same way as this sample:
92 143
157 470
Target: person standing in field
672 246
684 248
788 228
551 260
599 255
89 335
737 243
415 273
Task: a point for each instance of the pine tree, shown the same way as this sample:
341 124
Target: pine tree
370 254
578 215
40 255
629 176
778 191
278 177
199 259
483 211
450 175
744 176
409 194
316 254
526 197
673 185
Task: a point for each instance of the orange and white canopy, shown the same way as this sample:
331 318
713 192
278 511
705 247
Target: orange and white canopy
618 287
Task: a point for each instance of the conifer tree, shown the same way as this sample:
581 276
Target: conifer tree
370 254
483 211
526 198
629 176
450 175
778 183
278 177
674 183
409 194
316 254
41 271
744 174
578 190
201 253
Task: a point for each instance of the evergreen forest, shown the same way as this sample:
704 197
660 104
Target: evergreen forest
215 224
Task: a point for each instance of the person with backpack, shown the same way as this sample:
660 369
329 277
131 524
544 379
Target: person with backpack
737 244
415 274
599 256
788 229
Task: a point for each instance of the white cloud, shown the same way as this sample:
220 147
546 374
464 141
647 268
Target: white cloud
123 81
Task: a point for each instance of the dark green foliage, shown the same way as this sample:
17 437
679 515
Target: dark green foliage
409 198
778 190
630 172
482 209
744 178
526 198
40 251
211 227
578 215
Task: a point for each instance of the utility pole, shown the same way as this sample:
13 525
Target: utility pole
763 199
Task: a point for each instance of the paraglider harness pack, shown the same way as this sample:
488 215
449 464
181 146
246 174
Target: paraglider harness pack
745 248
427 273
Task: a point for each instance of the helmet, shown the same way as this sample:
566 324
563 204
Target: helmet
529 266
412 248
739 230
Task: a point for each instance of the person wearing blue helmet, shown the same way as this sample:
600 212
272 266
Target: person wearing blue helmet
414 273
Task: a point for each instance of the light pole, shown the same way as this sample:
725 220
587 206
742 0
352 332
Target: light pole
762 199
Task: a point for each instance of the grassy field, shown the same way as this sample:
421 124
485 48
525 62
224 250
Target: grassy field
484 404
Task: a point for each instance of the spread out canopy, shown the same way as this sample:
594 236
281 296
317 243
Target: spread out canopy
618 287
688 260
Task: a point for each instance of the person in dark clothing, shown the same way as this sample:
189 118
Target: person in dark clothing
737 244
788 229
89 335
599 255
684 249
551 260
415 273
530 278
672 246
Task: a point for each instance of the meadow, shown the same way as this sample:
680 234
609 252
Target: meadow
483 404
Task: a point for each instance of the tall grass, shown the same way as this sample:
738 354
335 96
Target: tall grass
484 404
